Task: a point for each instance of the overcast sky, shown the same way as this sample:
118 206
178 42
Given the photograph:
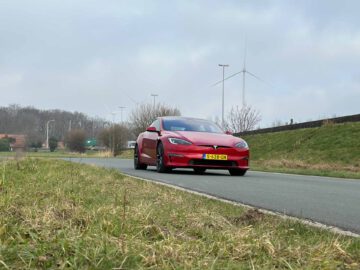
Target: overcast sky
94 56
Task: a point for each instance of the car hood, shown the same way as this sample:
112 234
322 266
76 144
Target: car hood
204 138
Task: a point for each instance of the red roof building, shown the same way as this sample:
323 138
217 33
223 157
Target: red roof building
19 143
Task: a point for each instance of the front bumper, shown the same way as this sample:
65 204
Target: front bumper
192 157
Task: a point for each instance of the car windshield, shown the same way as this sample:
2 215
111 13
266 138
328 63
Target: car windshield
191 125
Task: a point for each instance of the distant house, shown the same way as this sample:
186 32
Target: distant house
18 144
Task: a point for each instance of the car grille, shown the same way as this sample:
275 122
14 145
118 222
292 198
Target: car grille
212 146
209 162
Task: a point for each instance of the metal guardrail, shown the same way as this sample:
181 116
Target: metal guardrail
310 124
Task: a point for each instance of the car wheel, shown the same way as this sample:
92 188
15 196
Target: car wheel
137 164
199 170
160 165
237 172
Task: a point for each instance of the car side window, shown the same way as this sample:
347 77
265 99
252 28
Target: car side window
156 124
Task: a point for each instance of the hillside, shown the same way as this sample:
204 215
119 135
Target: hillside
333 149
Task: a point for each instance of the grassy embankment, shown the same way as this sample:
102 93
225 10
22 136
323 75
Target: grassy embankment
56 214
330 150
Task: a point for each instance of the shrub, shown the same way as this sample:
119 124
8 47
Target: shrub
75 140
36 145
53 143
4 145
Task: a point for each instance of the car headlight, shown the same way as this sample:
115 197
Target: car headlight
242 144
179 141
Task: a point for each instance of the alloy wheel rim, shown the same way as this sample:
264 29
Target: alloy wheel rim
136 159
159 157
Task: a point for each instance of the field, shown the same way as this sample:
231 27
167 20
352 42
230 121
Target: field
56 214
330 150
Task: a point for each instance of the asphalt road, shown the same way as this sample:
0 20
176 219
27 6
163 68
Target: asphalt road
330 201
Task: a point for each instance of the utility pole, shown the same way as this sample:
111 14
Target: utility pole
47 132
243 92
244 71
113 133
223 80
121 112
154 95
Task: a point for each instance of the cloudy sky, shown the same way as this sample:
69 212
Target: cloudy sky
94 56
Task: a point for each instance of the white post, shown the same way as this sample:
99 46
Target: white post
47 133
243 93
223 94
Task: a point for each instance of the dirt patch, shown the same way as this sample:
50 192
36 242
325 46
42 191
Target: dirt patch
250 217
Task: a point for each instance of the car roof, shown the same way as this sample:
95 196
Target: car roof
180 117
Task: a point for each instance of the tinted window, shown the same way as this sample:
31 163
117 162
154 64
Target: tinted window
156 124
191 125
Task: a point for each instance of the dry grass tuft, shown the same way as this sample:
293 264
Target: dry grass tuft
299 164
103 154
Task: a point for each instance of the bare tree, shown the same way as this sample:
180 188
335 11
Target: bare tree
115 137
243 119
143 115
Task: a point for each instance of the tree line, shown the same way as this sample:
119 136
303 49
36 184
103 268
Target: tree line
15 119
74 127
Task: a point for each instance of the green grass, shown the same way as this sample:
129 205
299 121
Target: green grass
331 150
57 214
128 153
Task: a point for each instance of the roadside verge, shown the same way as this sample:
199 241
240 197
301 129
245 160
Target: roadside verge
57 213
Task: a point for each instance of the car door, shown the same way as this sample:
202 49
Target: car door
150 142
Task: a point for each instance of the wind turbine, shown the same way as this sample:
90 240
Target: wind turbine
244 71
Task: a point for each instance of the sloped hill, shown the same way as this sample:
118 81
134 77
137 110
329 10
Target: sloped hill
330 148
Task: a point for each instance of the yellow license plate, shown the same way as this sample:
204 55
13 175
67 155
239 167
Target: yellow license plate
215 157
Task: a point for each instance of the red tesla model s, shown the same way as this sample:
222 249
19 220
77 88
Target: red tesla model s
180 142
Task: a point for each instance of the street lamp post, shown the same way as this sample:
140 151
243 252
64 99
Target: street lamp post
222 109
154 95
113 133
121 112
47 132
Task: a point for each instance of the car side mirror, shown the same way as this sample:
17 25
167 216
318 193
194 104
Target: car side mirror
228 132
151 129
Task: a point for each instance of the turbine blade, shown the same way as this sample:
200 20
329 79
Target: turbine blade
256 77
216 83
133 100
228 78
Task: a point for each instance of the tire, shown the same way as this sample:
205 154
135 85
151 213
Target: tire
237 172
199 170
137 164
160 166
